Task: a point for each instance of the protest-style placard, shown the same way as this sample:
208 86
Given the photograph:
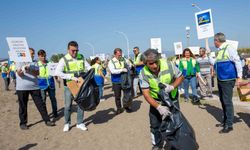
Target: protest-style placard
156 44
234 44
195 49
204 24
19 47
178 48
52 68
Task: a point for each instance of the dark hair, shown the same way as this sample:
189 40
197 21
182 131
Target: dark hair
72 43
136 47
41 52
93 61
187 49
32 49
117 49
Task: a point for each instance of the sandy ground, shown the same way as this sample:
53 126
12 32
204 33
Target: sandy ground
110 132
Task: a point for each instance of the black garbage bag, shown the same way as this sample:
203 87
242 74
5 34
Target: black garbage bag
175 129
88 95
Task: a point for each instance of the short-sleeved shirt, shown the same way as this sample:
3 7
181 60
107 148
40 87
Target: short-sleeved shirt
145 84
27 81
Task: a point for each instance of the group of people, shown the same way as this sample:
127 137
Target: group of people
147 70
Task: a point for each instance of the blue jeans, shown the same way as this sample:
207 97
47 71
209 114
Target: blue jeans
191 80
100 88
67 107
52 96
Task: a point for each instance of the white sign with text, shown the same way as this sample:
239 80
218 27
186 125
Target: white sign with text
178 48
20 49
156 44
52 68
204 24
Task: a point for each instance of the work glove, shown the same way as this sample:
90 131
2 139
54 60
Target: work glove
164 111
168 88
124 70
74 79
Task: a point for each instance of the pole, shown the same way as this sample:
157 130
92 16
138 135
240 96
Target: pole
91 45
125 36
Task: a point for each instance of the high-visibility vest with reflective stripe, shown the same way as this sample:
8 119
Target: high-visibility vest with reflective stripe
13 67
44 79
72 67
185 66
136 61
118 64
4 71
165 76
225 68
96 67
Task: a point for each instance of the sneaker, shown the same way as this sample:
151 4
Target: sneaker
24 127
102 100
66 127
82 127
50 123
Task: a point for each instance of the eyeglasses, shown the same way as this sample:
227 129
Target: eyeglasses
74 51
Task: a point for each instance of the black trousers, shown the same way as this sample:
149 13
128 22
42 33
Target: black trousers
226 94
23 97
155 123
6 83
127 96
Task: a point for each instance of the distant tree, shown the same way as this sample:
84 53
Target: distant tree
244 50
56 57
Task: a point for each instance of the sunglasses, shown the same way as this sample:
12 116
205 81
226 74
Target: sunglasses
74 51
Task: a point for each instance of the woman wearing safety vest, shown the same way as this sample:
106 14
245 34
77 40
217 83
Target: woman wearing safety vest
190 69
46 82
99 77
157 71
228 68
6 76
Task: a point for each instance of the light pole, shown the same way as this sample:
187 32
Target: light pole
125 36
188 35
206 39
91 45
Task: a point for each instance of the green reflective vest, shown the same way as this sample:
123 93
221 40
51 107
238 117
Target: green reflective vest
72 67
222 55
165 76
137 59
43 70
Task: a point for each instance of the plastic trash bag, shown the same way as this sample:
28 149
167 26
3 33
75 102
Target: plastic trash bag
88 95
175 129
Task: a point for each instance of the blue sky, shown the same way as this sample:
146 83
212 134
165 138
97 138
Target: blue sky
51 24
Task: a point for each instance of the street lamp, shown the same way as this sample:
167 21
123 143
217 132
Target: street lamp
188 35
195 5
91 45
125 36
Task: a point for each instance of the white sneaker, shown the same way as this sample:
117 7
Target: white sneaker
82 127
66 127
102 99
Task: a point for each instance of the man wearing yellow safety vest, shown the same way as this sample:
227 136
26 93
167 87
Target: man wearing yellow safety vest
118 66
46 82
69 68
6 75
13 73
228 68
138 63
157 71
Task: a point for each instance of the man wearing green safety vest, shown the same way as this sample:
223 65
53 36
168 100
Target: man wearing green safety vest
46 82
157 71
228 68
138 63
70 68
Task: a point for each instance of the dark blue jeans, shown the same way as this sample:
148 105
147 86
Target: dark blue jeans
226 94
52 96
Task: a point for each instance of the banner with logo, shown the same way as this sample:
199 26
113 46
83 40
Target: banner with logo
204 24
